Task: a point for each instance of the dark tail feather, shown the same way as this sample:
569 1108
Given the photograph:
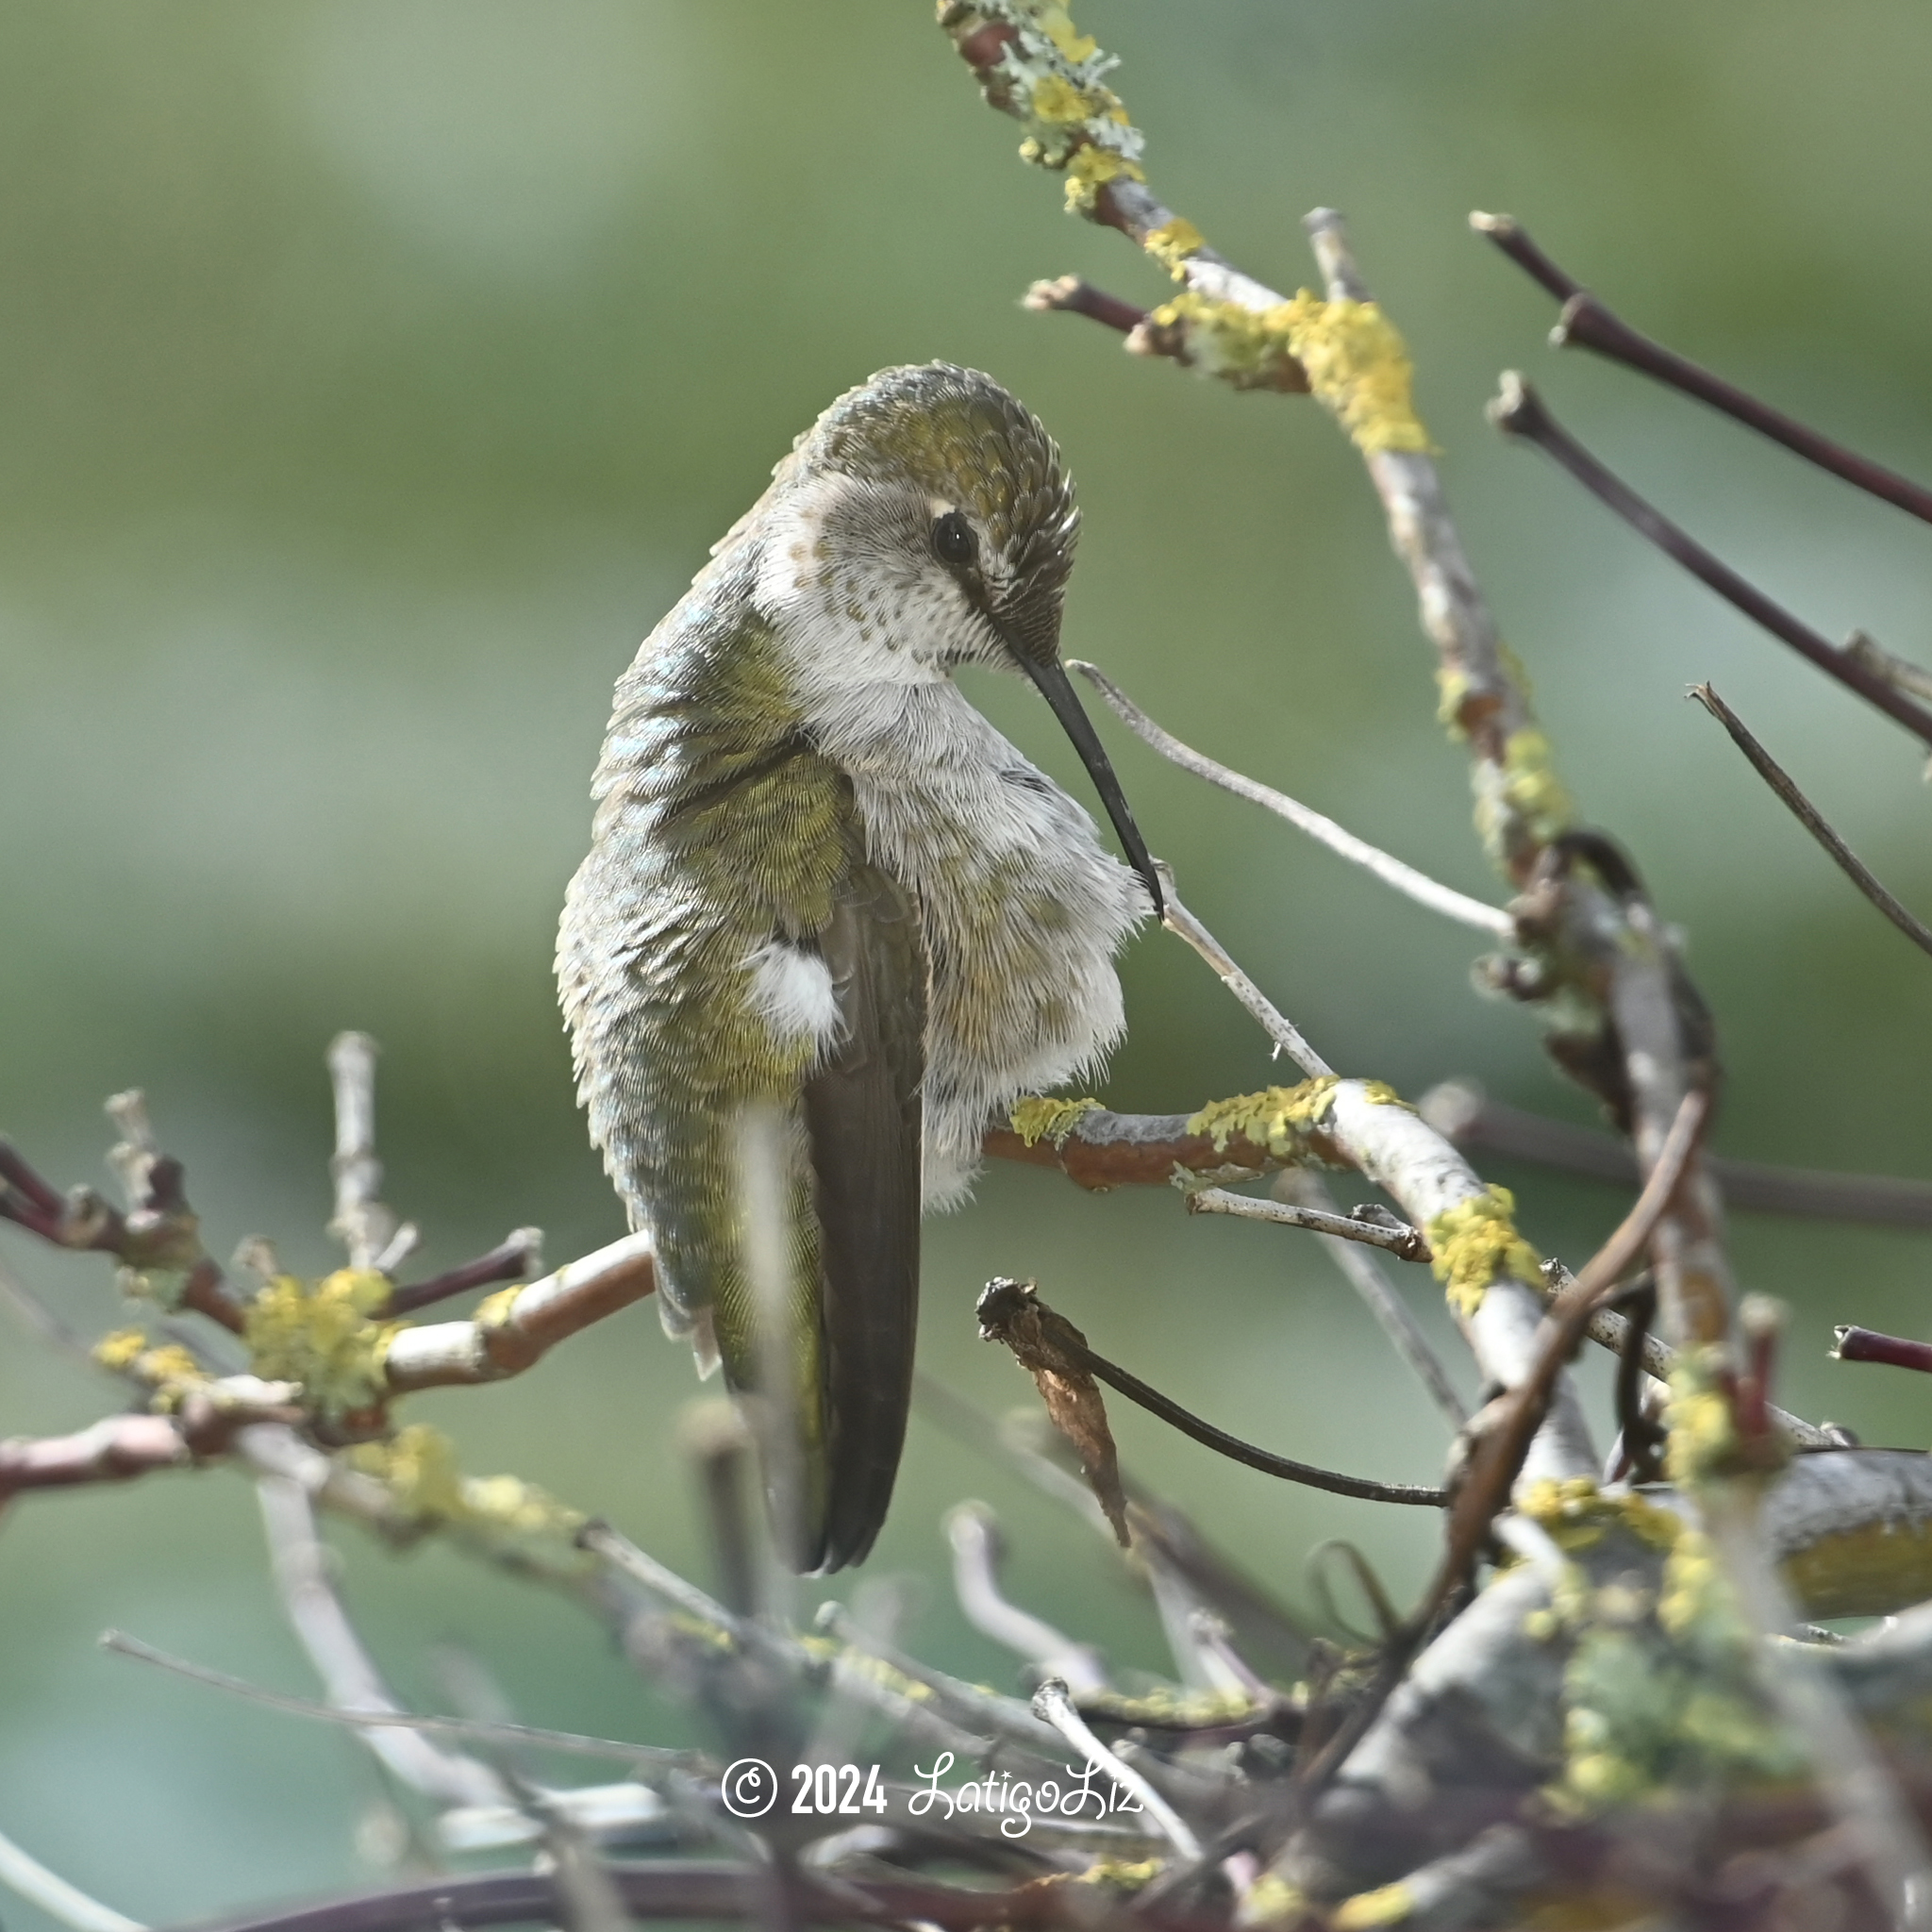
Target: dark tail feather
872 1313
863 1123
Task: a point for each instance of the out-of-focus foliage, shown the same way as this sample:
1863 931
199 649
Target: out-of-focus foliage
375 373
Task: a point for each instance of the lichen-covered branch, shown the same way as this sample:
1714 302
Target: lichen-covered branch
1489 1274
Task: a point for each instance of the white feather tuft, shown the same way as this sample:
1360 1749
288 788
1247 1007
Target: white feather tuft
791 992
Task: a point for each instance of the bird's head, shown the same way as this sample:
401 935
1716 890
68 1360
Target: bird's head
928 521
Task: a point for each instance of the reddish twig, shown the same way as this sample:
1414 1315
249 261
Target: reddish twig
1105 1150
1587 323
158 1232
519 1255
1070 295
1519 411
117 1448
1852 1344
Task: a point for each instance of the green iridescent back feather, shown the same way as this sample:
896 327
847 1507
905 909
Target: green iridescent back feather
717 827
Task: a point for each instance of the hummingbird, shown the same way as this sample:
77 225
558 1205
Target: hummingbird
824 892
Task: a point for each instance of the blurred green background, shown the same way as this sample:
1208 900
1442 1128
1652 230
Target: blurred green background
375 373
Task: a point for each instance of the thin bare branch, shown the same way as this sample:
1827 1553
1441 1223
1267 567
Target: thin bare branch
29 1880
1161 1532
1519 411
1052 1703
1406 879
1587 323
974 1533
1460 1109
1068 1343
158 1241
1364 1275
1500 1453
113 1449
1281 1030
970 1704
204 1425
1482 694
852 1676
1811 818
301 1570
1353 1124
1913 679
572 1743
1407 1244
362 1223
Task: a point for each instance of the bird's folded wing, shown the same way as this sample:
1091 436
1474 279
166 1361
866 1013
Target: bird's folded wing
863 1125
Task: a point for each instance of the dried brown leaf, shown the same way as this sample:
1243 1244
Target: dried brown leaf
1053 1350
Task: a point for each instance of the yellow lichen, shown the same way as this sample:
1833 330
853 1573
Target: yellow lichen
418 1465
1531 788
1271 1901
1122 1876
1452 690
163 1367
1172 243
494 1309
1090 169
323 1336
1171 1709
169 1363
119 1350
862 1663
1040 1118
1359 368
1476 1244
1059 102
1388 1904
1056 23
1379 1093
1247 348
1542 1626
514 1511
1279 1118
502 1515
1660 1689
1702 1437
1576 1513
1870 1569
1696 1601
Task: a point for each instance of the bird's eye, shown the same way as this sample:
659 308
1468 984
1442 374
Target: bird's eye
953 542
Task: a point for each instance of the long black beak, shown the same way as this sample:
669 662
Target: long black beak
1057 690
